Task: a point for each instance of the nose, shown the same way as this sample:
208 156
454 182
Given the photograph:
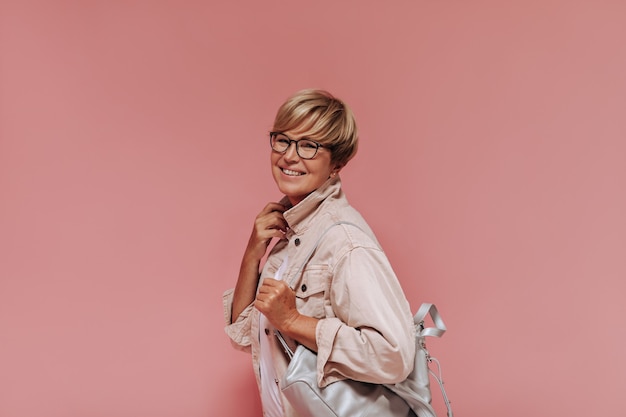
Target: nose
291 154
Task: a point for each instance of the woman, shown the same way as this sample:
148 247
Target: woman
347 305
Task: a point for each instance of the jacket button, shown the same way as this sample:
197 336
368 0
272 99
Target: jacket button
297 242
303 287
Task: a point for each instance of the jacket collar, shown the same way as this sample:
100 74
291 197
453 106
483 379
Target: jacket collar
300 216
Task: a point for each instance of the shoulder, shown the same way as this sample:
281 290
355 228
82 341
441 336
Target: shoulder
344 233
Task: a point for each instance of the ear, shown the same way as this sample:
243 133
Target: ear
336 170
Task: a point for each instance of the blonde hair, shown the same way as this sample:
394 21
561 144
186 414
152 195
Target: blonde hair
325 118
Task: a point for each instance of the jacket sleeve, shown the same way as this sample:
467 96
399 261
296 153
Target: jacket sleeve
239 331
372 337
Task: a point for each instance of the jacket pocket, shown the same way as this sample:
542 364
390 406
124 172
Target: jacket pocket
311 291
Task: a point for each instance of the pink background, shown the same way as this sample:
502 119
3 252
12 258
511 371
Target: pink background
133 159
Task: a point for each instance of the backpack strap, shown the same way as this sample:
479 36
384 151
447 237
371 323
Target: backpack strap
425 310
438 330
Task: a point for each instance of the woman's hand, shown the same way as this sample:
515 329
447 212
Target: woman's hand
278 303
269 223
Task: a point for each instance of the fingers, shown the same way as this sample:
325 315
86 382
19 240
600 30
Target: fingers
271 217
273 293
272 288
273 207
276 301
268 224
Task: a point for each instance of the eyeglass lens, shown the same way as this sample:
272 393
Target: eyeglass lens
305 148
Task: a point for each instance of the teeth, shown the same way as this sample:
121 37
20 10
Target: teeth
292 173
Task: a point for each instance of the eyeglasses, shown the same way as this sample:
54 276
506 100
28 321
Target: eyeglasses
305 148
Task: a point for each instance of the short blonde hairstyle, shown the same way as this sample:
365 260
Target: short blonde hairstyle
325 118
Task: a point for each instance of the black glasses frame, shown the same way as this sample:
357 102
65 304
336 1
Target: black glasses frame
297 142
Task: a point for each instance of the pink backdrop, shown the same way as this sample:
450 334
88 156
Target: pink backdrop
133 159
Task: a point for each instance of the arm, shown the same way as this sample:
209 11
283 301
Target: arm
268 224
371 338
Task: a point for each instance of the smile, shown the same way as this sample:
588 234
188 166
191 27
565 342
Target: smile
291 173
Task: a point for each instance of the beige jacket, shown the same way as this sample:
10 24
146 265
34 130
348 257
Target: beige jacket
366 330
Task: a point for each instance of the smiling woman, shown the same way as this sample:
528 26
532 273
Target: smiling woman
338 296
301 169
327 140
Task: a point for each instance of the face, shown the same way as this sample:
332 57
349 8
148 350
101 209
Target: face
297 177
